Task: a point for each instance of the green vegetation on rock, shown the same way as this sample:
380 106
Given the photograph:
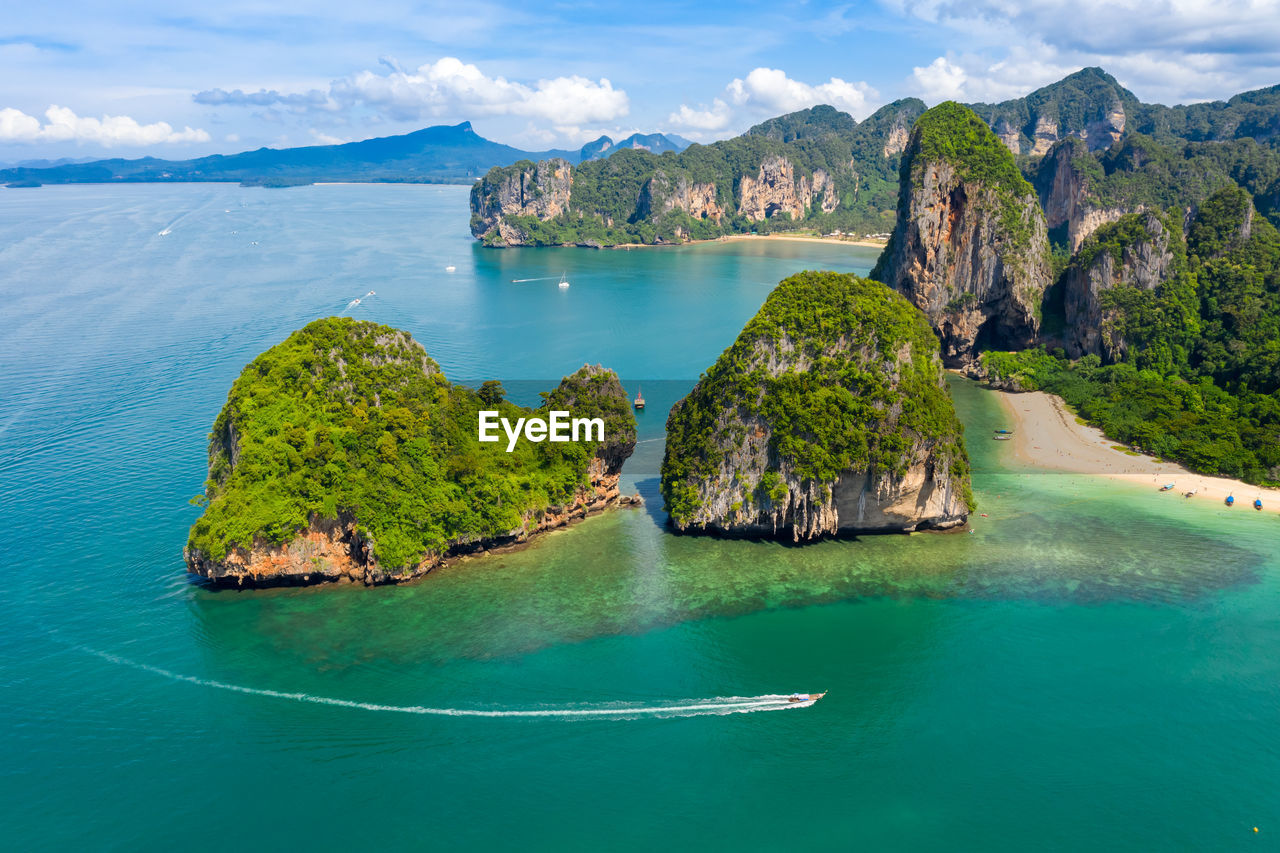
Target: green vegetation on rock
1200 381
632 196
352 418
953 133
846 375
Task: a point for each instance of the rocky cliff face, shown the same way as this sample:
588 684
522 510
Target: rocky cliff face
1065 193
663 194
364 464
896 139
970 246
828 415
1139 255
335 551
775 189
540 190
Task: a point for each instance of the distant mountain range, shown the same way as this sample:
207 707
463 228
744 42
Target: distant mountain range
441 154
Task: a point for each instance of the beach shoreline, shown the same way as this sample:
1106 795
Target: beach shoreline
1048 436
728 238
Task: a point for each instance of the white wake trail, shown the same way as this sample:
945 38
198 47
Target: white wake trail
617 711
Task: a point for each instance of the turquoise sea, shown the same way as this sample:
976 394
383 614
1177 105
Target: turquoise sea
1095 667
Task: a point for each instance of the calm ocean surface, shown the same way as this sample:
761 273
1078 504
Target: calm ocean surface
1095 667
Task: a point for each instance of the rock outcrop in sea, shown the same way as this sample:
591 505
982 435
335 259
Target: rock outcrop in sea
343 454
970 245
830 414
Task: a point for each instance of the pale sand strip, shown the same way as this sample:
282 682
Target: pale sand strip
728 238
871 244
1046 435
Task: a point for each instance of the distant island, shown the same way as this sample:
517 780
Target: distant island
343 454
442 154
1090 149
829 415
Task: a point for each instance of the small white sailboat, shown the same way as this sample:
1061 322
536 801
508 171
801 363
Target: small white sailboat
450 268
564 282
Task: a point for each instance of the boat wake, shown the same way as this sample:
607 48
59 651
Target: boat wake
354 302
717 706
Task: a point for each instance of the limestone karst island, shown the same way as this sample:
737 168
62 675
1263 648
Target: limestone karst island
343 454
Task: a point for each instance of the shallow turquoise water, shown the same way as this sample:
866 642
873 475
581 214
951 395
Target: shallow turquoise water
1094 666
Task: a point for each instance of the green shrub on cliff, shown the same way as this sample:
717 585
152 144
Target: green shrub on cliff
352 418
953 133
869 392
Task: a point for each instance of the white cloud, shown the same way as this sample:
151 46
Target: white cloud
1169 52
716 117
940 80
767 92
63 125
326 139
1107 26
772 89
446 87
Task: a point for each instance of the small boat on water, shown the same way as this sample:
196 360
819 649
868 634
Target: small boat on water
450 268
1002 437
1167 487
806 697
1231 500
1004 432
1257 503
1190 494
639 402
564 282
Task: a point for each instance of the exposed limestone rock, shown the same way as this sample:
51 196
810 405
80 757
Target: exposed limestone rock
824 185
526 189
1065 194
1009 135
776 189
897 138
334 551
661 195
970 246
1106 131
771 192
1145 263
1046 133
752 452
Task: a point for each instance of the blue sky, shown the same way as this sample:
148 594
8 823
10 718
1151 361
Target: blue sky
179 79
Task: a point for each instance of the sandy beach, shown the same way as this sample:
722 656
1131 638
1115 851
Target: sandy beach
800 238
1048 436
871 244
